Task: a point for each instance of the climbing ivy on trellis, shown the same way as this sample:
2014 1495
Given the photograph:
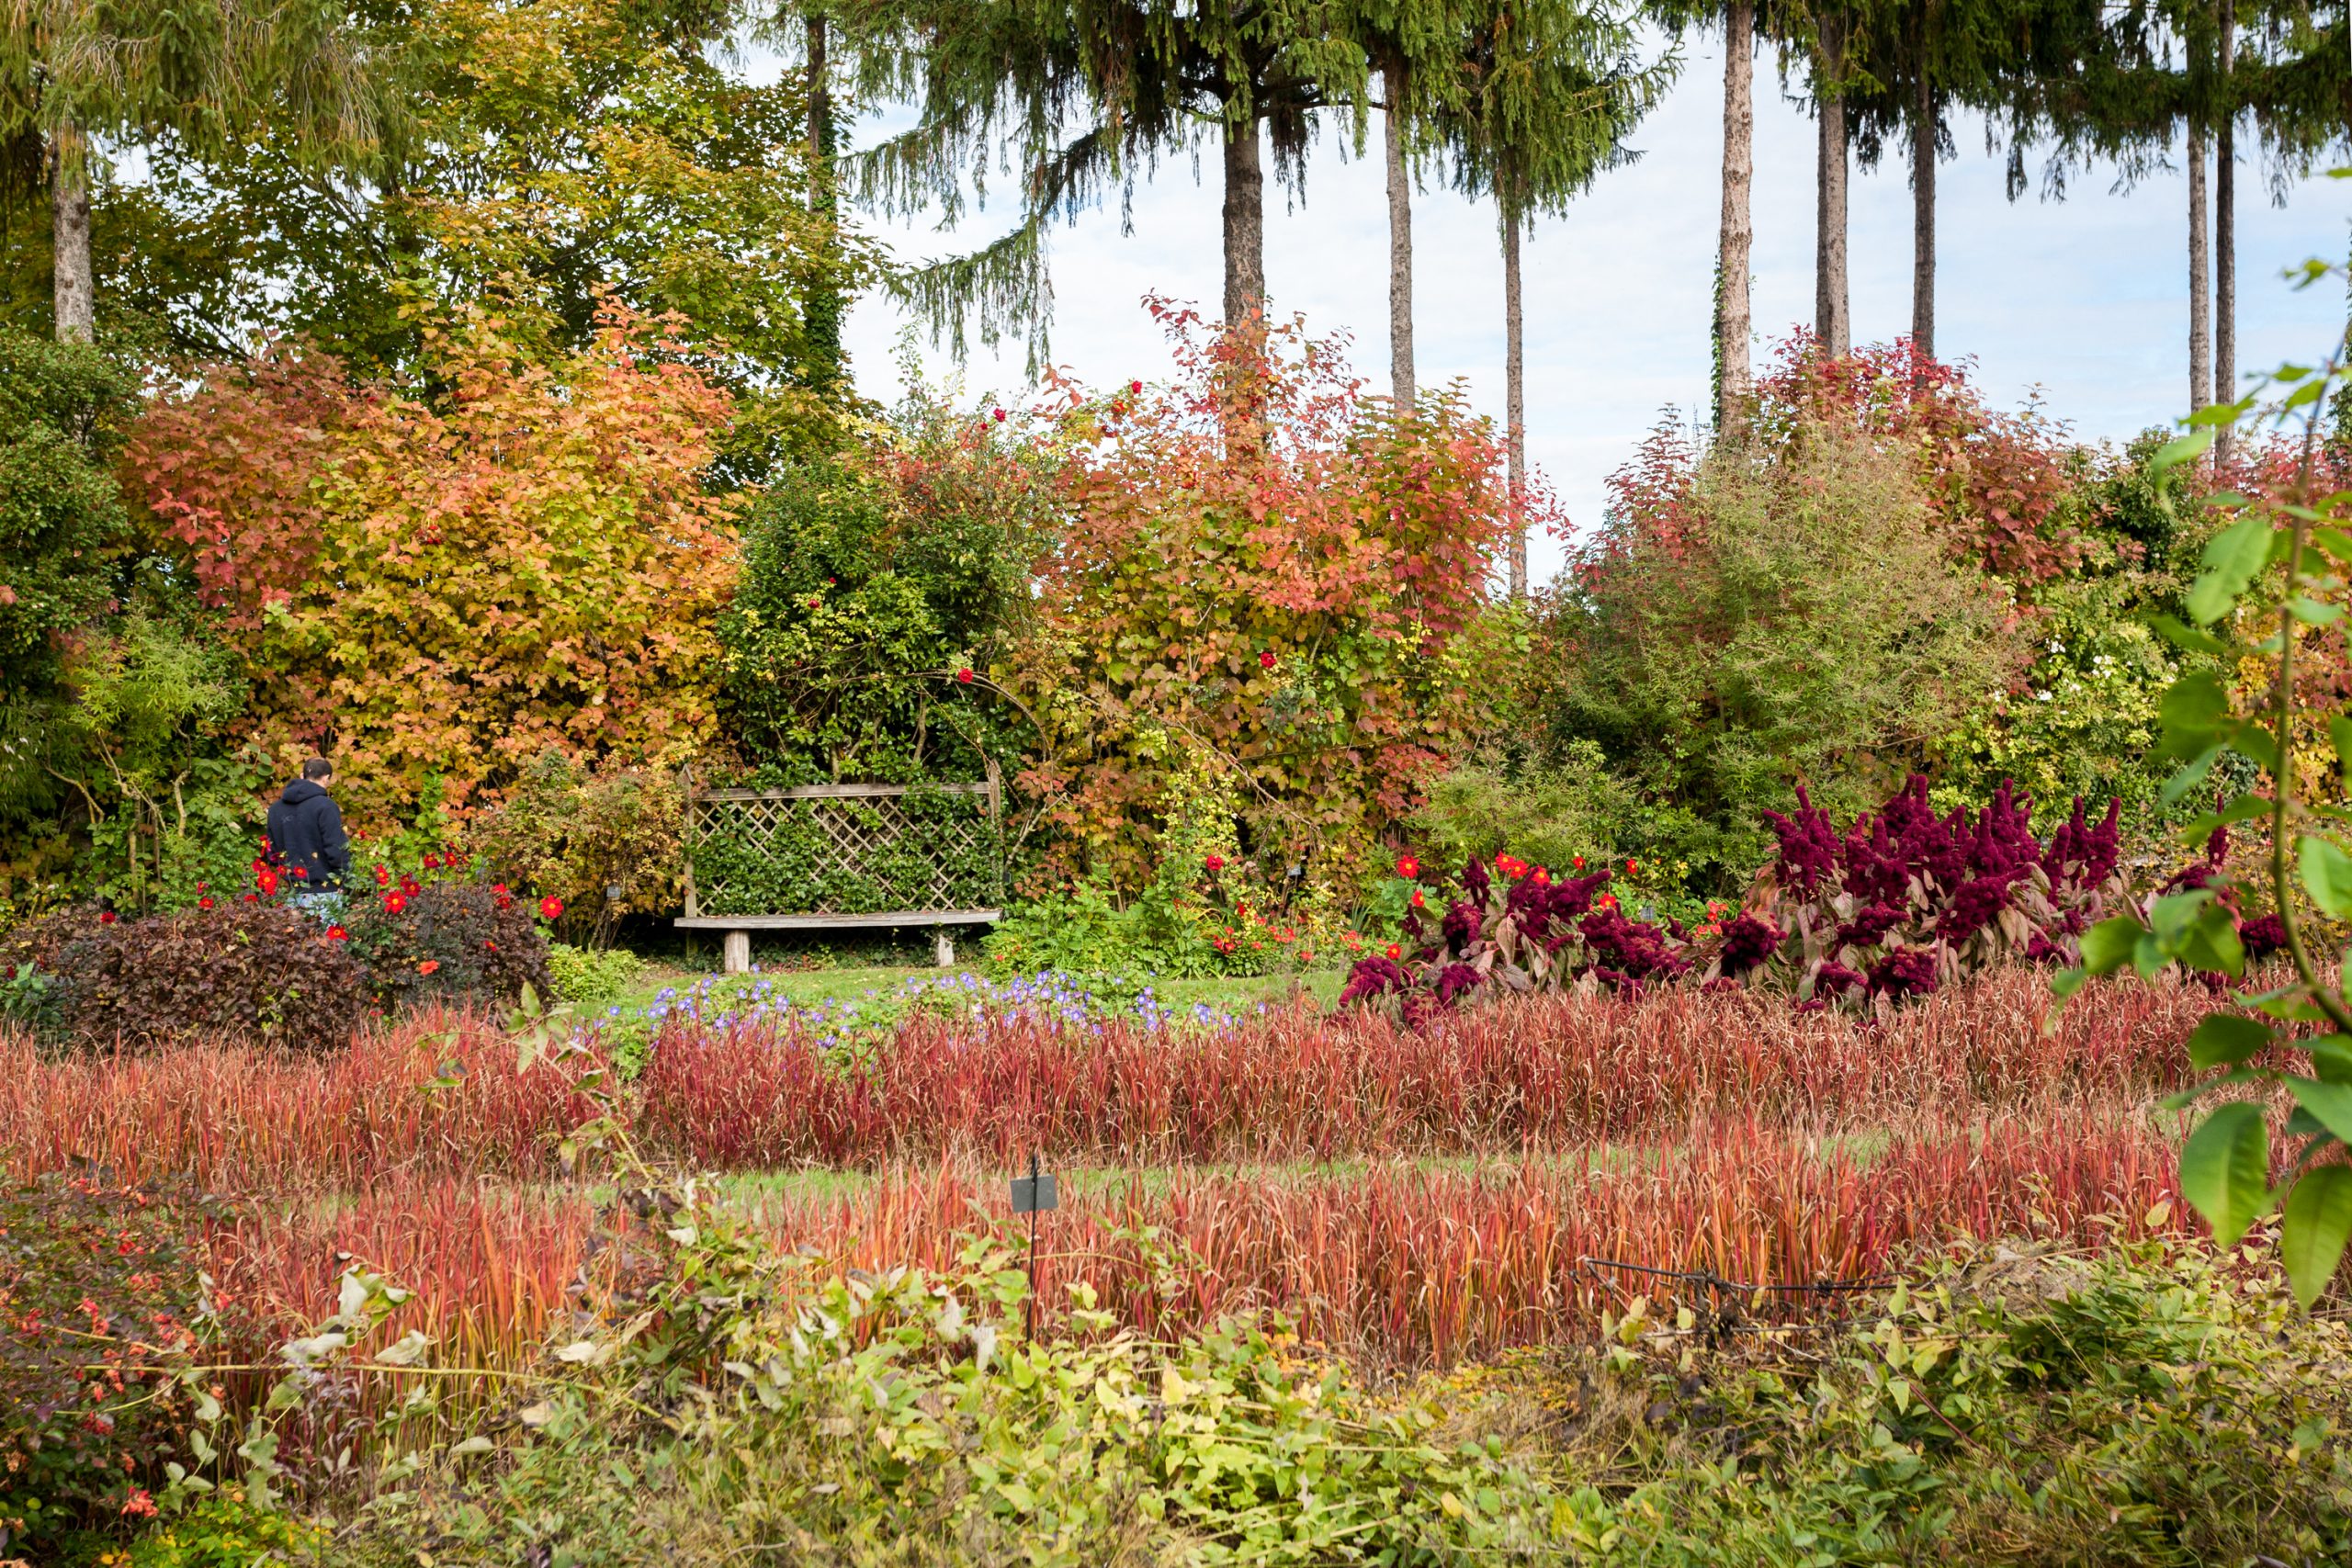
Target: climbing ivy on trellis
928 849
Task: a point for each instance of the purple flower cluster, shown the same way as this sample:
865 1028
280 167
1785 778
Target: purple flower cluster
1881 856
1635 950
1749 941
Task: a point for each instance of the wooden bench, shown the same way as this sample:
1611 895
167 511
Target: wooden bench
761 812
737 943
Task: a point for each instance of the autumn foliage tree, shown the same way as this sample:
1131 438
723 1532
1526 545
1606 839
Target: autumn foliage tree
443 589
1261 574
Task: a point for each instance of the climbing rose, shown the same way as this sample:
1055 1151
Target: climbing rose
964 676
1135 385
551 908
998 413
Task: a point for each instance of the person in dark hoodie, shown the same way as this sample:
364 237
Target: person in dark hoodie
307 838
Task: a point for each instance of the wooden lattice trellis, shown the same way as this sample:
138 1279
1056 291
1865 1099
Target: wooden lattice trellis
842 813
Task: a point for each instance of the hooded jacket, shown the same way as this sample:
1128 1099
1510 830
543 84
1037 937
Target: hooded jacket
306 834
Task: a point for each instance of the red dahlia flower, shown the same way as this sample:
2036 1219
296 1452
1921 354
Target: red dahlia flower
394 903
428 966
1408 867
205 902
106 917
551 908
336 934
1395 951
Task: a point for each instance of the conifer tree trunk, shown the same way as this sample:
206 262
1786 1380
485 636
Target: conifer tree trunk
1400 256
1245 226
2200 295
72 296
1735 383
824 307
1832 321
1514 402
2225 249
1923 216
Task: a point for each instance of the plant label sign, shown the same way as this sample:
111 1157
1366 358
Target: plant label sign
1034 1192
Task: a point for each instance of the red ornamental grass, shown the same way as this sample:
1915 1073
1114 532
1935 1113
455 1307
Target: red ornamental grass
1402 1266
1549 1073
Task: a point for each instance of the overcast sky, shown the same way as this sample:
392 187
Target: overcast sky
2085 300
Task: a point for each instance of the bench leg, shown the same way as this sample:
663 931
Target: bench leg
738 960
943 952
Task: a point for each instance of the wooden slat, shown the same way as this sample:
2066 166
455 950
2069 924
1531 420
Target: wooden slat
813 922
836 792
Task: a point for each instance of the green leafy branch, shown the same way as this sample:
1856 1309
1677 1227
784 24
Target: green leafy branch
2280 565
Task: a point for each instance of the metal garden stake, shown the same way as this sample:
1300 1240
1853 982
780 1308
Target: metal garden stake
1031 1193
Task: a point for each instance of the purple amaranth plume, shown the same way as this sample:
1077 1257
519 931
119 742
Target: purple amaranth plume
1866 929
1808 844
1374 977
1748 941
1911 971
2262 937
1835 976
1461 925
1639 949
1977 904
1456 979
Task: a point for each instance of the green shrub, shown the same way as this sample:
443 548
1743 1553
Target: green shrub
225 1531
608 841
591 977
1804 621
2151 1411
98 1295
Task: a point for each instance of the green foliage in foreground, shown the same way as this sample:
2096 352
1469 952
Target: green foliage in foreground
2150 1409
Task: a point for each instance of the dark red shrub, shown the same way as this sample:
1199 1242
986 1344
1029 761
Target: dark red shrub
260 971
450 940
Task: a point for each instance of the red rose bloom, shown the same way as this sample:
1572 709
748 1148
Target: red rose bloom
1135 385
106 917
1213 863
964 676
551 908
1266 660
